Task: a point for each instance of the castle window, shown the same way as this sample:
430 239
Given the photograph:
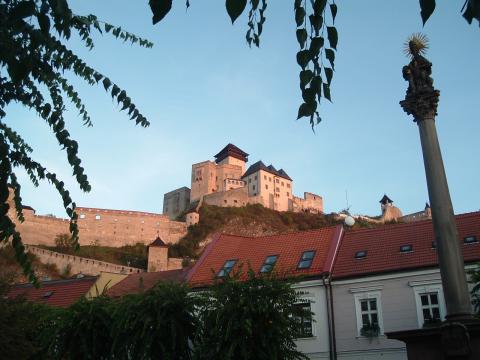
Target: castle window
253 187
288 186
235 201
269 179
227 268
249 180
97 217
277 181
225 201
266 187
283 184
288 194
255 177
277 189
265 177
82 216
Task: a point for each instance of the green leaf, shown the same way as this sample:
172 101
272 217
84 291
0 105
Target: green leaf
330 55
328 74
235 8
106 83
305 77
302 37
306 109
472 10
303 57
319 6
326 91
44 23
332 36
426 9
159 8
316 21
316 44
299 16
22 10
333 10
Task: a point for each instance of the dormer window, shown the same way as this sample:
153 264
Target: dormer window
269 263
406 248
470 239
227 268
306 259
362 254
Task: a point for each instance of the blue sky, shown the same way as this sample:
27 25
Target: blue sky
202 87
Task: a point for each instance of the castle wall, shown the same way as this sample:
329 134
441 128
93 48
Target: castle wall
113 228
176 202
79 264
235 197
117 228
203 180
310 203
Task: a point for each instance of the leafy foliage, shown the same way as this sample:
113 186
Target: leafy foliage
33 61
64 242
251 319
158 324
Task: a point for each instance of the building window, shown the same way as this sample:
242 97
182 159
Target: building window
225 201
429 302
470 239
288 194
227 268
362 254
97 217
306 259
288 185
255 177
277 181
235 201
369 313
265 177
269 179
253 187
82 216
266 187
303 315
406 248
268 264
277 189
249 180
282 184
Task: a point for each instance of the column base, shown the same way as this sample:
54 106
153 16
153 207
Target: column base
458 340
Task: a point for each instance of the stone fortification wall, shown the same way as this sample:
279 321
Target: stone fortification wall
117 228
99 226
79 264
235 197
312 203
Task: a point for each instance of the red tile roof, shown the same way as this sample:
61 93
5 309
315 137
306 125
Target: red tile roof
253 251
135 283
383 247
62 293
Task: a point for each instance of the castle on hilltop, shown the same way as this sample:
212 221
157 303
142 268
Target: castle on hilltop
225 182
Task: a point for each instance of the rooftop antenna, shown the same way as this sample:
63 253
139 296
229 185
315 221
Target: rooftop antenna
346 200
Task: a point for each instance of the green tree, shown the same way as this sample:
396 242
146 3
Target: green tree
252 318
157 324
64 242
34 57
474 279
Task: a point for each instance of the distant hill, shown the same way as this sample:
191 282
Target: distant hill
250 220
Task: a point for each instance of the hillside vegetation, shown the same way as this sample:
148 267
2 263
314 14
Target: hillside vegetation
250 220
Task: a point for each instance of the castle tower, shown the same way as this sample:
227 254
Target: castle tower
385 202
157 256
232 155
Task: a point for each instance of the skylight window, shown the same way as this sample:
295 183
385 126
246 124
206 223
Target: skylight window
361 254
306 259
406 248
470 239
269 263
227 268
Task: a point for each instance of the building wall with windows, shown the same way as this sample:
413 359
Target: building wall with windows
402 301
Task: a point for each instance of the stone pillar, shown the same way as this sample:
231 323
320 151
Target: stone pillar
459 336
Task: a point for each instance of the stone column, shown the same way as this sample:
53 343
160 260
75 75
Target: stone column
421 101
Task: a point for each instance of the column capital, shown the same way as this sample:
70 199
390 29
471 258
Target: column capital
421 98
